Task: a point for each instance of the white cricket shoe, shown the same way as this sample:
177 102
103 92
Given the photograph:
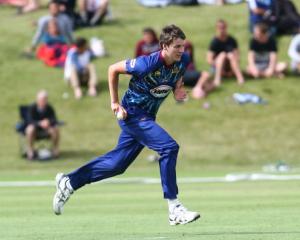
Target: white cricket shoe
180 215
63 192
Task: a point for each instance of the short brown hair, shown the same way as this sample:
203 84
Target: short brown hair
222 21
262 27
169 34
80 42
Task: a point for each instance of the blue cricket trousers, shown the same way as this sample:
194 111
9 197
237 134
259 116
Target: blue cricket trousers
136 133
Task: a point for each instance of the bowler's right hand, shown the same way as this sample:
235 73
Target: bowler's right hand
116 107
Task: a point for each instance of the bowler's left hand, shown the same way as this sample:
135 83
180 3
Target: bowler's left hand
180 94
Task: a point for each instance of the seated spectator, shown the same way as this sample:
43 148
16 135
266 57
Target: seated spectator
262 56
29 6
53 50
260 11
223 55
294 53
79 69
219 2
196 79
287 17
92 12
68 7
148 44
63 22
41 119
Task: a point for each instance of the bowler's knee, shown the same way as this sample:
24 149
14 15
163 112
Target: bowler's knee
173 148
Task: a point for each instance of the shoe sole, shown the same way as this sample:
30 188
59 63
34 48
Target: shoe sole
58 178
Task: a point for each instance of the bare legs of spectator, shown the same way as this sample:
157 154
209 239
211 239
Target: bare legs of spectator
90 76
279 70
92 80
100 13
30 136
234 64
219 64
200 90
253 71
75 83
31 5
82 10
54 134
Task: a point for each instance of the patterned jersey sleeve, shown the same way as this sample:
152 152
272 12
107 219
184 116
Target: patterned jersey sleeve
136 66
142 65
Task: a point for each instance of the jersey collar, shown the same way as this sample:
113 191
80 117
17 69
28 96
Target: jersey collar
164 61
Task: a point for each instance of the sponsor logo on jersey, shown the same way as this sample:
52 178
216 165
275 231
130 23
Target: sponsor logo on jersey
157 74
132 63
175 70
161 91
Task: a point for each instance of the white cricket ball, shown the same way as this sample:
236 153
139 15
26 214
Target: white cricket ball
120 115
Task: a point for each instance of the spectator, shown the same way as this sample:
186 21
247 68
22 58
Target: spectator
53 50
79 69
219 2
68 7
52 35
223 55
260 11
29 6
287 17
262 56
294 53
92 12
41 120
196 79
24 6
148 44
63 22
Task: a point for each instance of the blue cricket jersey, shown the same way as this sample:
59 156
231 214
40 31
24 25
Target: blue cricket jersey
152 81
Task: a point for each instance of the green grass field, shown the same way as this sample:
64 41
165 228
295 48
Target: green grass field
226 138
244 211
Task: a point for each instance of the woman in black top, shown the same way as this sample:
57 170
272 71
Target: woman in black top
223 55
262 56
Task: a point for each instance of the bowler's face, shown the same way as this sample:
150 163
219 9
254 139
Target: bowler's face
175 49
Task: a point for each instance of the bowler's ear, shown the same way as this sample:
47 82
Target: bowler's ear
164 46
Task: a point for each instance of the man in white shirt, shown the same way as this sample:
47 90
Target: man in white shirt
79 69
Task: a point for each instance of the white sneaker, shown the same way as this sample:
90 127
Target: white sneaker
63 192
180 215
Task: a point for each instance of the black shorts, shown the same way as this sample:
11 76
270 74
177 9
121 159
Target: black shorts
190 78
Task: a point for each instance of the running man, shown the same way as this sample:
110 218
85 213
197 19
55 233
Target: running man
153 78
